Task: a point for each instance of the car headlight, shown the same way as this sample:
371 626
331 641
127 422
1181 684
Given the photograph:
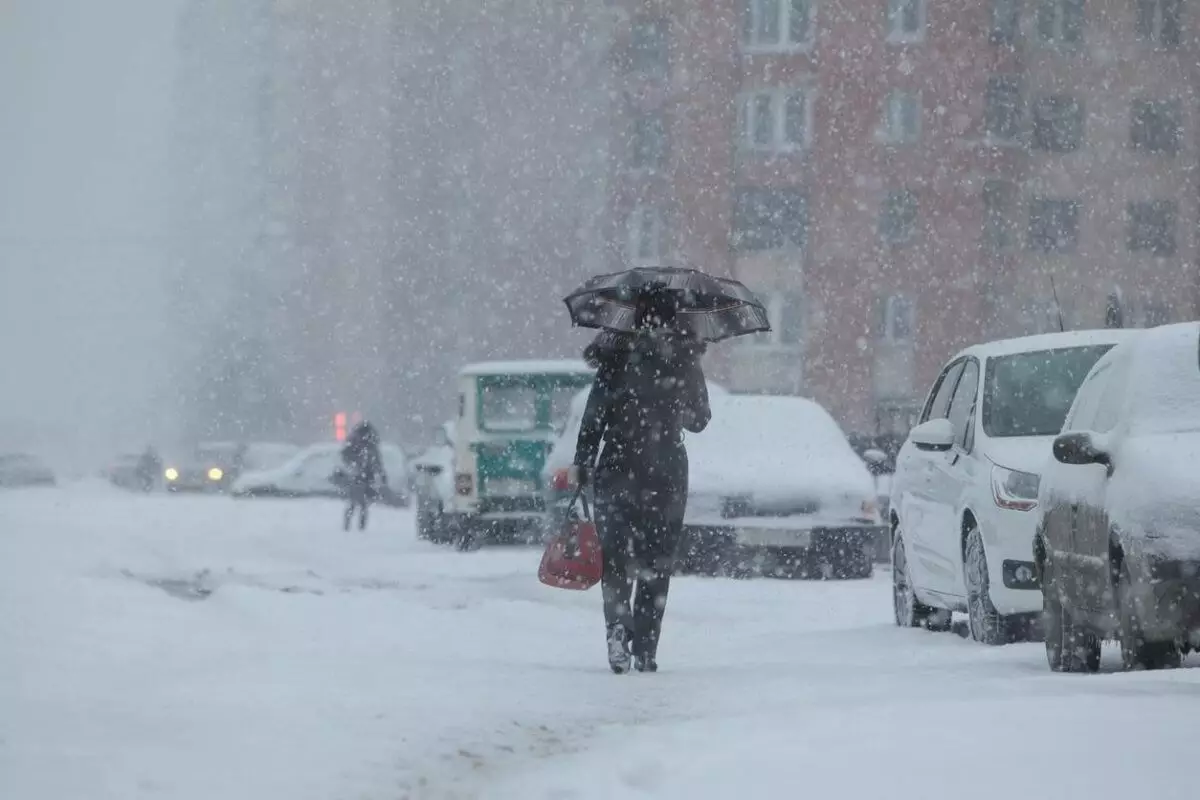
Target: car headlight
171 474
1015 490
215 474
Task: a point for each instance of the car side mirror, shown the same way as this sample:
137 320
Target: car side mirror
936 435
1080 449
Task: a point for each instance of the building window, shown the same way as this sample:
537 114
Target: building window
770 219
1005 21
1002 107
898 217
999 202
1159 21
1152 227
1053 225
785 312
902 117
1156 126
648 46
775 120
645 231
898 324
1060 21
649 141
777 24
1058 123
906 20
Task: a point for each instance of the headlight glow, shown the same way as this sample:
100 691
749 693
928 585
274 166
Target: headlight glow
171 474
215 474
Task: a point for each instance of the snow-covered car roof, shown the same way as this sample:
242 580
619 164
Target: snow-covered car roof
773 445
1165 379
1050 341
527 367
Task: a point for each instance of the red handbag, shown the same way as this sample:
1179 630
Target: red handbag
573 559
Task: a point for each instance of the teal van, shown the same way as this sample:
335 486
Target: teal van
509 414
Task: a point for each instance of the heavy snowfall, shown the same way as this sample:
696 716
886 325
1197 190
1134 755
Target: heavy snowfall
438 400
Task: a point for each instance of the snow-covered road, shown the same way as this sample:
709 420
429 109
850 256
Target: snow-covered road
177 647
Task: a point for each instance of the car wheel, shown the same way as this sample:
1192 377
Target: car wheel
1136 652
986 624
1069 648
910 612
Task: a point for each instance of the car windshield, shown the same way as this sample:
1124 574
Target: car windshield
1029 394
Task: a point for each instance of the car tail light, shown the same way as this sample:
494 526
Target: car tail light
464 482
560 481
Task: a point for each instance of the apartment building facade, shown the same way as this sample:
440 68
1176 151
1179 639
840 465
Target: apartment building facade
900 178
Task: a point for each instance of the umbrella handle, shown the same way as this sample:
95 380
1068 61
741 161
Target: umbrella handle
581 498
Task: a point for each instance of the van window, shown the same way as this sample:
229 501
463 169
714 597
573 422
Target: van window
508 407
964 400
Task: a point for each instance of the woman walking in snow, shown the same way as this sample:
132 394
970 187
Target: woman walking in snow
649 388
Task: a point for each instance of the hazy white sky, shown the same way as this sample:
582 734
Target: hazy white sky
85 93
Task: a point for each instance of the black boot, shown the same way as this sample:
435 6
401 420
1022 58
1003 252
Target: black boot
618 649
645 663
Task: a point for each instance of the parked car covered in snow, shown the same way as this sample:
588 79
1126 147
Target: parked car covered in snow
966 482
433 482
1118 545
23 469
309 474
775 489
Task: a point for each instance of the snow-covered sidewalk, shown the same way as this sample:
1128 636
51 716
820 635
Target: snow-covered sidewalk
178 647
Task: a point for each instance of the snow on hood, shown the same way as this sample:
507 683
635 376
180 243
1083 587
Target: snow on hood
1022 453
776 450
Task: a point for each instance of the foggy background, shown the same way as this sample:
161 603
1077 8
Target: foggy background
83 154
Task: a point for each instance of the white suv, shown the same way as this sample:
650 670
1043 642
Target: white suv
967 478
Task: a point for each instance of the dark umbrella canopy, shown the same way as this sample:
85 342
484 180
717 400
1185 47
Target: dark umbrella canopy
708 308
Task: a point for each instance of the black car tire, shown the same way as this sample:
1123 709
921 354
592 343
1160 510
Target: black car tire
986 624
1136 652
908 611
1069 648
430 520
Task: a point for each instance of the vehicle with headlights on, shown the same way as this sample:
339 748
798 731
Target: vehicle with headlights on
211 467
965 490
1118 544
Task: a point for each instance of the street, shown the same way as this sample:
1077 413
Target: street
203 647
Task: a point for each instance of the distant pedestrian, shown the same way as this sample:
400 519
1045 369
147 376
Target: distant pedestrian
364 469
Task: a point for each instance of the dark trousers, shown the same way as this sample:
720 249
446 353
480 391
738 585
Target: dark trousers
358 496
639 534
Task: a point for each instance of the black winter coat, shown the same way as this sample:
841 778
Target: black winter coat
649 388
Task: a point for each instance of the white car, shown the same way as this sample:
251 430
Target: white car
309 474
433 483
967 480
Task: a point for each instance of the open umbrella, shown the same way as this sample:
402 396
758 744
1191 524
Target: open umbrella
709 308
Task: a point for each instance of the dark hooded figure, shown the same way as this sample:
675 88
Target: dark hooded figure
649 388
364 466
